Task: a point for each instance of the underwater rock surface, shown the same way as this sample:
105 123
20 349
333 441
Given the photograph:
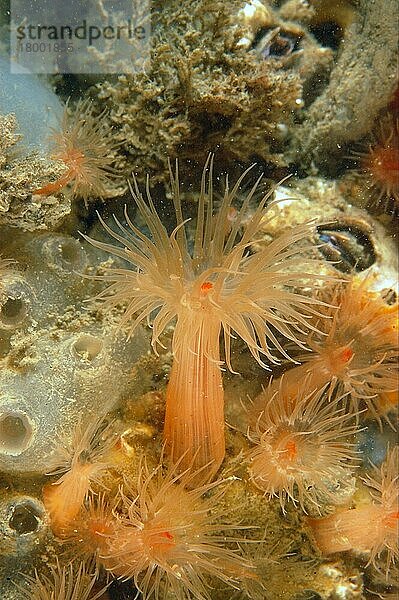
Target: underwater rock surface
360 86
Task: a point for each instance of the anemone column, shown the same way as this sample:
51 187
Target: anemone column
194 420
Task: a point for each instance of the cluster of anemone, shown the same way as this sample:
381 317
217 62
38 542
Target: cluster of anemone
165 528
158 529
354 348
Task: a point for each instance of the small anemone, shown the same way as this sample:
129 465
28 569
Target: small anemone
303 449
84 144
355 349
359 345
372 528
380 164
80 460
171 539
63 583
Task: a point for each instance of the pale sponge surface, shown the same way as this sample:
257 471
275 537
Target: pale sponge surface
62 364
36 107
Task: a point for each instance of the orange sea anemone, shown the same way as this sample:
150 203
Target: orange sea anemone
80 459
380 163
303 447
93 527
63 583
373 528
171 538
84 144
356 348
359 348
216 286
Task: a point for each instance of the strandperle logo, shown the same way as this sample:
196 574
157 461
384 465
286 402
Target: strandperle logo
76 37
84 31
